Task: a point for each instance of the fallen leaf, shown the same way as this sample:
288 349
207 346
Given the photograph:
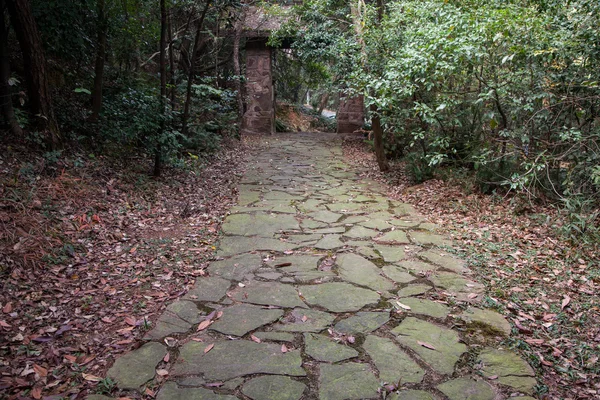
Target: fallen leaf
214 384
426 345
7 308
304 318
565 302
285 264
130 321
90 377
403 306
254 339
162 372
36 393
351 339
167 357
284 348
149 392
4 324
219 314
209 348
203 325
492 377
522 328
41 371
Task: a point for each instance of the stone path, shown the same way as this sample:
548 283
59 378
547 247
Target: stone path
326 289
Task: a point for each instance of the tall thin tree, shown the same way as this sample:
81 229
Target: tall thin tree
102 27
163 87
8 111
188 93
34 59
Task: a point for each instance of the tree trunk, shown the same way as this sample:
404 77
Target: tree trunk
100 57
163 86
5 93
172 92
323 103
35 71
236 67
188 93
358 12
378 139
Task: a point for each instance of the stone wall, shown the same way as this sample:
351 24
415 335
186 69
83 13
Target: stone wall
259 117
351 114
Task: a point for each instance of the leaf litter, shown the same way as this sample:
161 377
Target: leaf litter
545 285
91 254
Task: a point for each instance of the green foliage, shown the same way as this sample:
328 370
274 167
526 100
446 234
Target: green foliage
508 89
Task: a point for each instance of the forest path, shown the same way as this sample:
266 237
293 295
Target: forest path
324 288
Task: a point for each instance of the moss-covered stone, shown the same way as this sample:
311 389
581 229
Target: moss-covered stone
133 369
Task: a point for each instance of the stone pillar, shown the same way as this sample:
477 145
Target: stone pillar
351 114
259 117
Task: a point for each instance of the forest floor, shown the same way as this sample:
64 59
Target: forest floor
546 285
92 251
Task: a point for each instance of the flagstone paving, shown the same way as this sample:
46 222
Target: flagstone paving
323 288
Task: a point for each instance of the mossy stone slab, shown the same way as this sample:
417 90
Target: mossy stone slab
360 232
410 395
295 263
232 245
397 274
237 267
208 289
137 367
170 391
510 369
446 343
445 260
246 197
268 294
367 252
393 237
394 365
349 381
322 348
362 322
333 229
378 224
308 224
273 388
415 289
417 266
490 318
258 224
427 238
360 271
275 336
279 195
325 216
178 317
426 307
305 320
403 209
329 242
455 283
235 358
390 253
339 296
346 208
240 319
311 205
467 389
